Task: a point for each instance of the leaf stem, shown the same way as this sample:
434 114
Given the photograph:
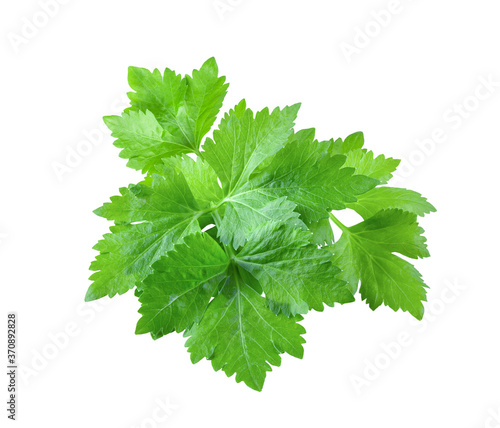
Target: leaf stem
229 251
198 153
341 225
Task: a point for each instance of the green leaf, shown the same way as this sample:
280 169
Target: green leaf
352 142
302 135
161 95
231 242
242 142
322 233
305 173
205 93
155 198
152 219
186 107
200 177
364 163
346 259
295 275
246 211
365 252
143 140
176 295
241 335
381 198
126 254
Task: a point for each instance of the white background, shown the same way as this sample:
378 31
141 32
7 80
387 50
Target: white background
430 58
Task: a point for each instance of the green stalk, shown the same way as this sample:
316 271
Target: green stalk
341 225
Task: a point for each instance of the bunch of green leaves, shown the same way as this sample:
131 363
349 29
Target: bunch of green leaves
229 238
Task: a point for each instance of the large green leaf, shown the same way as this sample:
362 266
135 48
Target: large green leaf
306 174
176 295
151 216
240 334
243 141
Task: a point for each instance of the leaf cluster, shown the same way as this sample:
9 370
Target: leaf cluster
229 238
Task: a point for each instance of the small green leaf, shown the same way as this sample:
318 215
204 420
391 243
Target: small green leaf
186 107
365 252
365 163
143 140
381 198
322 233
352 142
161 95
